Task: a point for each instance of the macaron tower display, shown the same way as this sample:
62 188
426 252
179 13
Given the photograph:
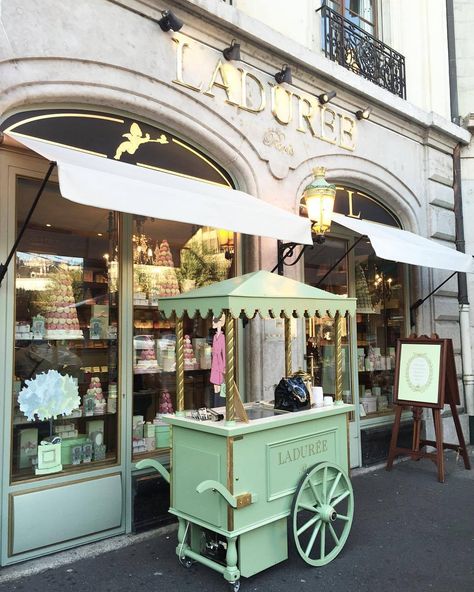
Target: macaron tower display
61 314
167 281
146 357
166 406
190 362
95 390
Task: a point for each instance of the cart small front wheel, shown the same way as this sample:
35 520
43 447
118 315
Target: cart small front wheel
235 586
323 508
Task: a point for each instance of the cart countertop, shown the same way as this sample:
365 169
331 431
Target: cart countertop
266 423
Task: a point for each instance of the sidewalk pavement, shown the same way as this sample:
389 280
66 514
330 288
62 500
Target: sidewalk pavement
410 533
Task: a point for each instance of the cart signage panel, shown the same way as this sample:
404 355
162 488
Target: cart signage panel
287 460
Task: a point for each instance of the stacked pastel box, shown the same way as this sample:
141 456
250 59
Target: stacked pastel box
67 430
149 436
190 362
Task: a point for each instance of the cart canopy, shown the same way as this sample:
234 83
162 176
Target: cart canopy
261 292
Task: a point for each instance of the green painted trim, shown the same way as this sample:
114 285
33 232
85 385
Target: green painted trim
126 361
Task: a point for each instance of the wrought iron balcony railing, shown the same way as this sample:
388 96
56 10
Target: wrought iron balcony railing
358 51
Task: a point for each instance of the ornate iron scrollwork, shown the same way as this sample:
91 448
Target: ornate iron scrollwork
362 53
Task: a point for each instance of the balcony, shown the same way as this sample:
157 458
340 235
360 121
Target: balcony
358 51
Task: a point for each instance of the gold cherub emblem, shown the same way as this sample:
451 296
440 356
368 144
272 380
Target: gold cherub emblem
135 139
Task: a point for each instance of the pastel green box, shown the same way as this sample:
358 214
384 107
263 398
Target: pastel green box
66 446
162 436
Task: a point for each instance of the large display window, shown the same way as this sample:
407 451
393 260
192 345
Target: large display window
65 403
327 274
347 265
170 258
380 323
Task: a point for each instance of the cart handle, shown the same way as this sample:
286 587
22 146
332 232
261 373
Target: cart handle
216 486
154 464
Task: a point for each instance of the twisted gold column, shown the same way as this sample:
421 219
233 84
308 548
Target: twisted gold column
179 367
288 353
229 368
338 338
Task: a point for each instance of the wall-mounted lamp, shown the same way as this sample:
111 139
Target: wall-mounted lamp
169 21
326 97
318 200
284 75
232 52
226 243
365 114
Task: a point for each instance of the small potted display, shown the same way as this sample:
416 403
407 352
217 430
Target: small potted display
47 396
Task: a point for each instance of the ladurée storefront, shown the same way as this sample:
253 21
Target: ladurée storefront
214 150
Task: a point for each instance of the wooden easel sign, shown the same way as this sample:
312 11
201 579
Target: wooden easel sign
425 377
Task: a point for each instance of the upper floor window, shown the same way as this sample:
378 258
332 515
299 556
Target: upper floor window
360 12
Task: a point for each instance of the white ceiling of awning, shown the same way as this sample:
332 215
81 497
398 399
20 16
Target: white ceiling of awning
400 245
105 183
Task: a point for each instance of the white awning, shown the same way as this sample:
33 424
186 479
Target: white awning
400 245
106 183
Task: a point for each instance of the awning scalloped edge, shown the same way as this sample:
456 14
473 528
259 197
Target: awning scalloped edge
194 311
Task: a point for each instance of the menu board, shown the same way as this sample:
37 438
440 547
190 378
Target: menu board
425 373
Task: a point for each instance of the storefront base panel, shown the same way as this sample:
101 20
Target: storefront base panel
150 502
375 442
49 516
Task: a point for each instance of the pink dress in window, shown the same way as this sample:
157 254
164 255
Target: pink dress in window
218 359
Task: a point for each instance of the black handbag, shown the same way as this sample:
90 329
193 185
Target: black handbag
291 394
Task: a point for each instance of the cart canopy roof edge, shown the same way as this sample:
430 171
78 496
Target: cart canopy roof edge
261 292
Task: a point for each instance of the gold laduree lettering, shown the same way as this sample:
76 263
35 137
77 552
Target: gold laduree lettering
282 104
346 132
223 83
244 92
305 115
303 451
349 199
328 122
180 47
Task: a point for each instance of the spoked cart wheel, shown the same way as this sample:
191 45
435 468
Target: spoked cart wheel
323 508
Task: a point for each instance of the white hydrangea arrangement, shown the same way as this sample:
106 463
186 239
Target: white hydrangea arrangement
48 395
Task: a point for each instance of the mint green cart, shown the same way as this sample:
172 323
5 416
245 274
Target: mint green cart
234 484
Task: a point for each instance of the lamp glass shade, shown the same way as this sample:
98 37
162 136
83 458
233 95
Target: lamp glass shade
319 197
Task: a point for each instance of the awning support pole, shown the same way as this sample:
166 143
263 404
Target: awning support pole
4 266
419 302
